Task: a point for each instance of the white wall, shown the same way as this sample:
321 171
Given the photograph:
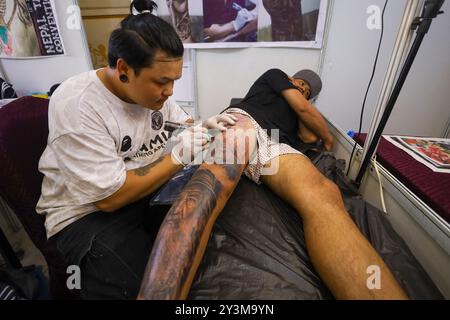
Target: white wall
39 74
349 58
422 107
223 74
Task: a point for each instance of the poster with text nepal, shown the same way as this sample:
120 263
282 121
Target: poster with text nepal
46 28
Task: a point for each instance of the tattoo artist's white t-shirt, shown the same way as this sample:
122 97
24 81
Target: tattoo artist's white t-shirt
94 138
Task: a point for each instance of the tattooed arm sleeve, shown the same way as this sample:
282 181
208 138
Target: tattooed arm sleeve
184 234
179 11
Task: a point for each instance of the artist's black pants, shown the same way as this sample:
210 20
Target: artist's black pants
111 249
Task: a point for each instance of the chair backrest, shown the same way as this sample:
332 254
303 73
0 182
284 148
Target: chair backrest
23 138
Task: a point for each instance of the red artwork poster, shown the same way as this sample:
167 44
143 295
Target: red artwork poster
433 152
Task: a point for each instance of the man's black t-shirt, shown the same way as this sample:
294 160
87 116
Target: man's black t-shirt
267 106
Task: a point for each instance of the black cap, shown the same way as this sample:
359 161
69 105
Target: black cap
313 80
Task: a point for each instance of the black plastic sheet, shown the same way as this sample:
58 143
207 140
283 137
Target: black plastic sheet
257 247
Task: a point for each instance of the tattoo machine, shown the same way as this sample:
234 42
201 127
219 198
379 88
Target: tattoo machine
176 127
173 126
236 6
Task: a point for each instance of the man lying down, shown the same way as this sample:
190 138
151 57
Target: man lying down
338 251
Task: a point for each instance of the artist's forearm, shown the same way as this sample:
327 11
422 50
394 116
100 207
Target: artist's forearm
140 183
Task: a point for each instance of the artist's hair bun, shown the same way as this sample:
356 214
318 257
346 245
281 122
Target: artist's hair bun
142 6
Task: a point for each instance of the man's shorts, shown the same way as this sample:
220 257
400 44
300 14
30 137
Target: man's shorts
267 150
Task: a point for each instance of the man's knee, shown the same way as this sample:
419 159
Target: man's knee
329 188
318 190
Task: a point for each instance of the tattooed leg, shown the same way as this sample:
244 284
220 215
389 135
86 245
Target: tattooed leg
184 234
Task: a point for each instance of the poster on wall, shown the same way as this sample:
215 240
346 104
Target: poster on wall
28 28
246 23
